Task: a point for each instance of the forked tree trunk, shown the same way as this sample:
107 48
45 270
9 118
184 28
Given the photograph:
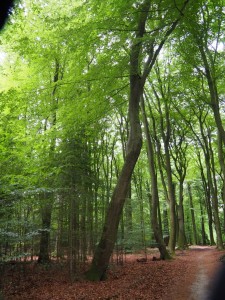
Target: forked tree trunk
105 247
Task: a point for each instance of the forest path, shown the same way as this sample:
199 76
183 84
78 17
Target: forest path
187 277
193 284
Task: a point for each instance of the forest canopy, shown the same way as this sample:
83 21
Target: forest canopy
112 129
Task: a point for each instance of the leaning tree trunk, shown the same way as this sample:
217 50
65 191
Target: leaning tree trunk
137 81
108 238
105 247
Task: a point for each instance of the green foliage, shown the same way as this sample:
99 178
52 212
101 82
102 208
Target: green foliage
63 132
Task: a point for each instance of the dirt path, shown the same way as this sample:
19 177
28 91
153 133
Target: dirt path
200 266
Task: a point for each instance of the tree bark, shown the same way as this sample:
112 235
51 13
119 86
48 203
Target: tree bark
166 133
222 165
105 247
214 98
46 212
209 162
164 254
180 161
180 210
207 201
195 238
46 208
137 81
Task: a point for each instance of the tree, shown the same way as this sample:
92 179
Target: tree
154 197
137 82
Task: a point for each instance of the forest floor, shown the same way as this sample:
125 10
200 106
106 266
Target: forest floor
186 277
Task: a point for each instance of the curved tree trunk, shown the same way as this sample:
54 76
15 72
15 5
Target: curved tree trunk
137 81
105 247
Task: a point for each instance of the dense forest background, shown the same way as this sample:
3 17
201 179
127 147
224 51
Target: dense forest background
111 129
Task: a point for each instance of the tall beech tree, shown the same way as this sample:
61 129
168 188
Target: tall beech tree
140 57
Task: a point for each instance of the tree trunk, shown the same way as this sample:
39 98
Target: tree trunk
46 208
207 201
172 242
222 165
154 189
195 238
106 244
214 201
137 81
105 247
46 212
211 79
165 127
204 236
181 231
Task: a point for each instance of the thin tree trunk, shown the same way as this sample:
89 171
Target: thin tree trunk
154 188
170 189
181 231
207 193
195 238
204 236
215 197
222 165
46 209
46 212
209 162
